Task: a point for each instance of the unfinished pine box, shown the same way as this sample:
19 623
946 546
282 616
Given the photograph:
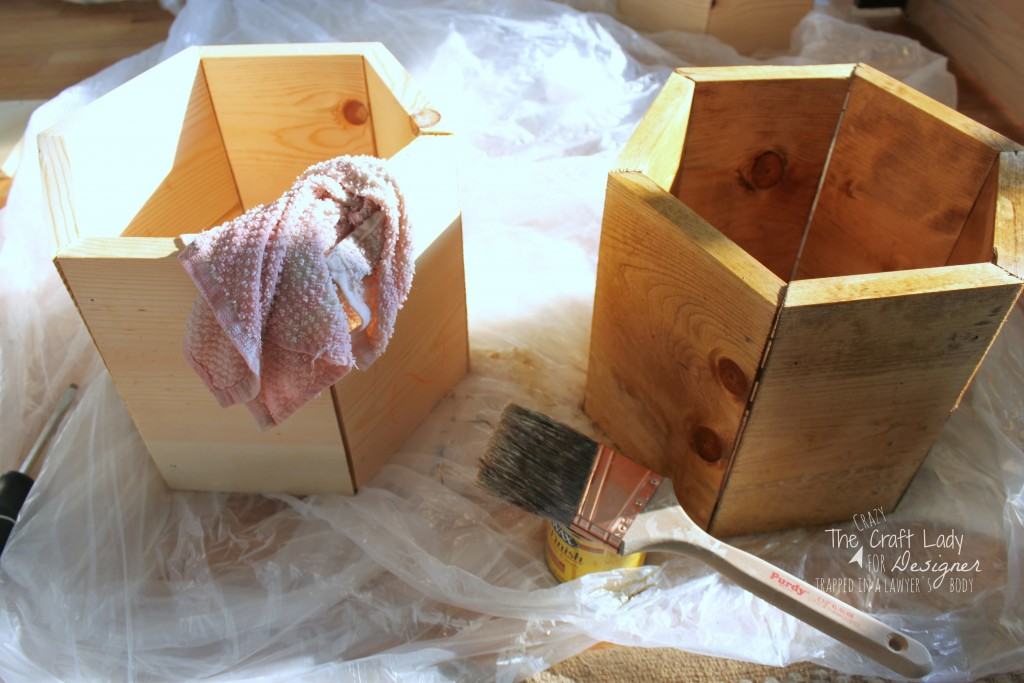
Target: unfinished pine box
800 270
197 140
747 25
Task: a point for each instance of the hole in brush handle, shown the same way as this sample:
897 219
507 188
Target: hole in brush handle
897 643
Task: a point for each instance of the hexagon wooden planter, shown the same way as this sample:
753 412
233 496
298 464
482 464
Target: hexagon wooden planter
800 270
197 140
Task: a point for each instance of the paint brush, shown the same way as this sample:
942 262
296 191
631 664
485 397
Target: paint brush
553 471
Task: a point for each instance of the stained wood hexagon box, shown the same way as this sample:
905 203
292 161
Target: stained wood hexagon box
800 270
197 140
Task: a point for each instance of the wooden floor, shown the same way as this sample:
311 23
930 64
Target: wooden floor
47 45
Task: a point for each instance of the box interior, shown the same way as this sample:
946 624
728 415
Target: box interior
826 177
246 127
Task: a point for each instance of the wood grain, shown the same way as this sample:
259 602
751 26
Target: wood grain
135 299
429 350
279 115
1009 220
862 374
756 25
655 148
48 45
754 154
984 39
767 72
666 15
903 176
672 360
144 159
399 109
428 355
974 244
859 371
747 25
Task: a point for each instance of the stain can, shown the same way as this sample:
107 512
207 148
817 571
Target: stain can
570 555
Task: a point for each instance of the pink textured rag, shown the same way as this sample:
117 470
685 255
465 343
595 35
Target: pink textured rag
296 293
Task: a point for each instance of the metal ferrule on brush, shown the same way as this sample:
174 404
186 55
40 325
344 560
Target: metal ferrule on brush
618 490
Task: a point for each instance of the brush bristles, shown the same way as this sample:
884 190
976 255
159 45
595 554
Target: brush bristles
537 464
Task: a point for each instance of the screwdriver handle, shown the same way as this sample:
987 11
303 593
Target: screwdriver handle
15 485
14 488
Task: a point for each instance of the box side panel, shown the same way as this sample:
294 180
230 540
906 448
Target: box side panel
753 158
656 146
1009 221
751 25
681 317
975 243
135 298
428 354
144 159
394 102
902 179
666 15
862 374
278 115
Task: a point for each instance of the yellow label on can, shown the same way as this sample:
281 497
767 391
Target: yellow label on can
570 555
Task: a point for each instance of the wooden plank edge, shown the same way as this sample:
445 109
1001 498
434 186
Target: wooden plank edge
970 380
103 359
57 184
960 396
1008 237
737 261
708 74
255 50
120 247
425 117
794 272
369 107
374 54
220 134
655 148
951 117
847 288
987 192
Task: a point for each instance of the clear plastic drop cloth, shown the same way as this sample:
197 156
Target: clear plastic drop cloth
111 576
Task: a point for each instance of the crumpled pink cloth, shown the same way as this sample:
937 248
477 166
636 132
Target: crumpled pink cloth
296 293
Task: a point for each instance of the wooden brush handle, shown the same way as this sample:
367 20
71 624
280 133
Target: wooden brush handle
828 614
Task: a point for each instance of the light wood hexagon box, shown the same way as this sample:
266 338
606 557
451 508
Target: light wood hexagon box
197 140
800 270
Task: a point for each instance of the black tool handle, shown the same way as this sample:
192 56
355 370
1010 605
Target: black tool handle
14 488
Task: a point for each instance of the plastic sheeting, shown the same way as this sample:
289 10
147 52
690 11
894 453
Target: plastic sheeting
111 576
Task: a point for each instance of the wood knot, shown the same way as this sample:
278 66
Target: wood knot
355 112
767 170
706 443
733 378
